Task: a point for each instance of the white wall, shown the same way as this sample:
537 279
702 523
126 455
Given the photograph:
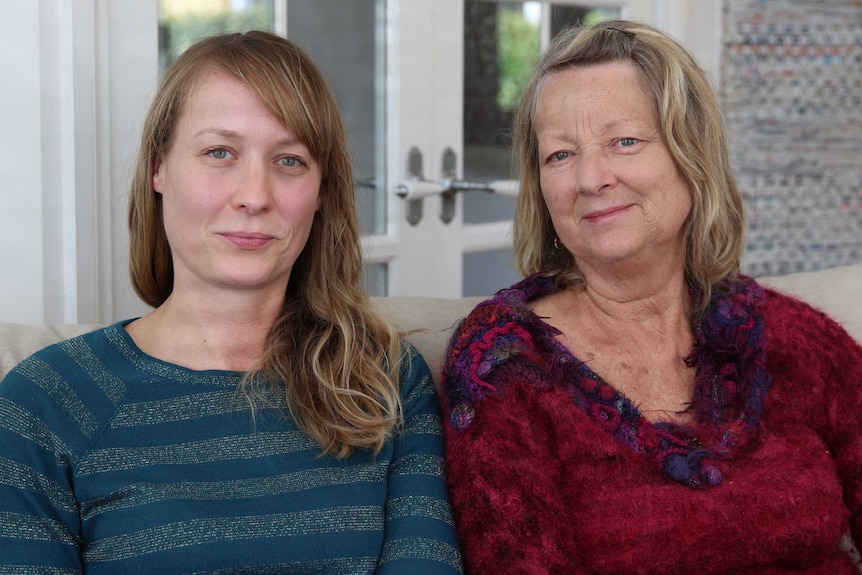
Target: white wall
66 153
21 203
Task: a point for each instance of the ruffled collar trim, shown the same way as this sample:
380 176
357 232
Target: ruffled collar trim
731 383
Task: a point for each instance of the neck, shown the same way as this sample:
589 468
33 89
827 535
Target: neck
649 313
662 295
208 331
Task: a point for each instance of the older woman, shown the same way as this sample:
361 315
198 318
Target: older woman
635 405
263 418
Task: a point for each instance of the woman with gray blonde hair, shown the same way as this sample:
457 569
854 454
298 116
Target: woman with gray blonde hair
263 417
636 405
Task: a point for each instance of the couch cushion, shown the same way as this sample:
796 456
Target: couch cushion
18 341
836 291
427 323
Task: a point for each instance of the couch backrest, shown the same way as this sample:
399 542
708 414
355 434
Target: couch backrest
18 341
428 322
836 291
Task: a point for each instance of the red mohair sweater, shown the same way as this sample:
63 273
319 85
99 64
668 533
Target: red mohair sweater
539 487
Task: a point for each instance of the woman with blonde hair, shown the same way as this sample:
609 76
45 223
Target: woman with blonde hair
263 417
636 405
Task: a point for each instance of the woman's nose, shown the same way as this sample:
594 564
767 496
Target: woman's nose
594 171
253 189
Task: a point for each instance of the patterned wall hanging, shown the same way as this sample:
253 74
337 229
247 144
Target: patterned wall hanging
792 92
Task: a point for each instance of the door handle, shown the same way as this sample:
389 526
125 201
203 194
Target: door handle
414 189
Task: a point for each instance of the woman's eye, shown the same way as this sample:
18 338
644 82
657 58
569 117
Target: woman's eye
559 156
218 153
291 162
626 142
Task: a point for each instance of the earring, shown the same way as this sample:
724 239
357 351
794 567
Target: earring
557 243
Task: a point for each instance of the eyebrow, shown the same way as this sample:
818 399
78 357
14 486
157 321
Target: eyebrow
233 134
218 131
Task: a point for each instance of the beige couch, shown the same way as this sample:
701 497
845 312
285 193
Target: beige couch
837 291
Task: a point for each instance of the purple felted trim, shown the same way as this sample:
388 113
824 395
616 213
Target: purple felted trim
731 382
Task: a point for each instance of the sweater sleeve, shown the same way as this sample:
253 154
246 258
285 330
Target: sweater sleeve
39 520
825 365
419 534
503 475
844 417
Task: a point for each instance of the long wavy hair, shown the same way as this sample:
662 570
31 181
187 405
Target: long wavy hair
339 360
691 125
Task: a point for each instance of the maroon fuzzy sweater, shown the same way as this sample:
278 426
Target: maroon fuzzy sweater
546 478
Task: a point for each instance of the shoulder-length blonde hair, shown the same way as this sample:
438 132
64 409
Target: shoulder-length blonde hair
691 125
339 360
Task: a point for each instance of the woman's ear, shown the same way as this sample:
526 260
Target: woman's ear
158 174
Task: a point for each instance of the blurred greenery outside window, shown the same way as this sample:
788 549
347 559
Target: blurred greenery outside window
518 41
517 52
181 22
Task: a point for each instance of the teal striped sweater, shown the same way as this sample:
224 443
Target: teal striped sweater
114 462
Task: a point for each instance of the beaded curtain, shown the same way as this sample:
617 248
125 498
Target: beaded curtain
792 94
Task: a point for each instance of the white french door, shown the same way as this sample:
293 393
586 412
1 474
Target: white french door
462 243
452 67
413 88
448 113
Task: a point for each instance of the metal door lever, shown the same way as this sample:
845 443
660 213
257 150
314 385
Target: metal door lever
415 188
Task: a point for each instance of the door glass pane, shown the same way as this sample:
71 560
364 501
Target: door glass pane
487 272
181 22
346 40
375 278
501 46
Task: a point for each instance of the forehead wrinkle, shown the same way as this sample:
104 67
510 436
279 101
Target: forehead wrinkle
593 121
602 100
578 123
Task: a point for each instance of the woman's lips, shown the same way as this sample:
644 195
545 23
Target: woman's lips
248 241
606 214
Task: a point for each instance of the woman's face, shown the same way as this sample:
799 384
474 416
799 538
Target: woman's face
239 191
610 184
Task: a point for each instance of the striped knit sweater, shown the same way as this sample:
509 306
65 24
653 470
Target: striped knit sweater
115 462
